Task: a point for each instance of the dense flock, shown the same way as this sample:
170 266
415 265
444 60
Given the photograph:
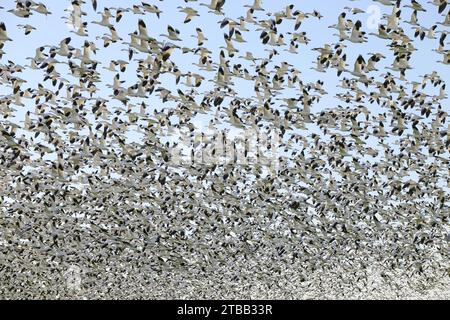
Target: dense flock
241 153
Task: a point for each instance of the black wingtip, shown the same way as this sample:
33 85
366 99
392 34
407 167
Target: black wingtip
442 6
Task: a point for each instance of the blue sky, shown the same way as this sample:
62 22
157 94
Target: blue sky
52 29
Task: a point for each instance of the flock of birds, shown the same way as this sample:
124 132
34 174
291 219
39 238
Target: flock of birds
88 178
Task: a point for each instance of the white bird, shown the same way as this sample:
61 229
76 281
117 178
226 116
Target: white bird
106 14
172 33
27 28
3 33
190 13
256 6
